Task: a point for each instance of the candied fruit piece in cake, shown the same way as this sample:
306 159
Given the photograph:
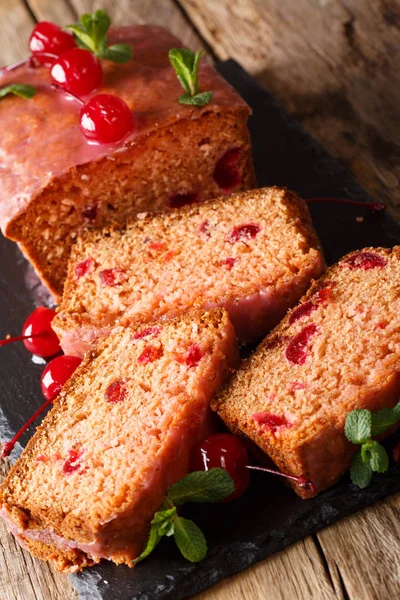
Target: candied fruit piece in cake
53 182
253 253
327 357
120 433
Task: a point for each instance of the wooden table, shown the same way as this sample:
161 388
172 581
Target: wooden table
335 65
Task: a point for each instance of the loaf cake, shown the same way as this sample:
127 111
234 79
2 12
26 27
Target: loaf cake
54 182
120 433
338 350
253 253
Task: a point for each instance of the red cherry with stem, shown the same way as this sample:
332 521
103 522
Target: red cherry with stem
105 119
49 38
33 61
56 373
227 451
39 337
77 71
37 334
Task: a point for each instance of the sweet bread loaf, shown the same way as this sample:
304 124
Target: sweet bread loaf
54 182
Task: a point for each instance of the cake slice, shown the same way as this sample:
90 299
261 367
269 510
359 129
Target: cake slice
338 350
120 433
54 182
253 253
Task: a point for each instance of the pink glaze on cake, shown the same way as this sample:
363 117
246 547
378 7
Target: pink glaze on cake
54 181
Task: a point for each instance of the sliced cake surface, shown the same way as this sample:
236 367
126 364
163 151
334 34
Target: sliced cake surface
54 182
88 483
338 350
253 253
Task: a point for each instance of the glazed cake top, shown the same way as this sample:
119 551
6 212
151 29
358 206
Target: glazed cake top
41 139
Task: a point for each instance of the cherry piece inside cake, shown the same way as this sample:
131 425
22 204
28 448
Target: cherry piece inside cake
54 181
253 253
120 433
337 351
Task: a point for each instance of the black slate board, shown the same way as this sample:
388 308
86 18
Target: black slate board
270 516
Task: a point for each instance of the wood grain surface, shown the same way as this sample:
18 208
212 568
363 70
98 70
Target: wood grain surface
335 66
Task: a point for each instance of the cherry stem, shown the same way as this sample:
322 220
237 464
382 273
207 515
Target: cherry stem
18 338
30 59
8 447
58 88
301 481
373 206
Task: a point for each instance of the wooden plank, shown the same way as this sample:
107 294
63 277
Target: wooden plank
123 12
334 65
61 13
156 12
23 577
296 573
363 551
15 28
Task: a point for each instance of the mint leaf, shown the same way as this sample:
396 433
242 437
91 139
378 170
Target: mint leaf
190 540
82 37
163 521
202 486
375 455
91 34
119 53
162 524
152 542
18 89
199 100
385 419
99 24
186 65
360 471
358 426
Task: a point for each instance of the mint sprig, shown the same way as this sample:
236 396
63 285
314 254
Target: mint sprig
202 486
91 34
186 65
199 486
18 89
361 425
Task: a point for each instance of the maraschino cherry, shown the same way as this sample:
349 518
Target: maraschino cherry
105 119
37 334
56 373
49 39
77 71
227 451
